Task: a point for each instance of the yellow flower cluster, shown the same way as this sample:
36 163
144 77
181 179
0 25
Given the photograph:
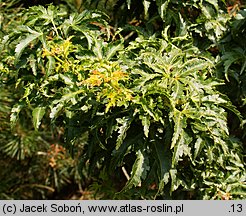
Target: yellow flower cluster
96 78
60 52
59 49
110 87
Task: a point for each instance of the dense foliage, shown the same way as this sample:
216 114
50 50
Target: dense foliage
145 106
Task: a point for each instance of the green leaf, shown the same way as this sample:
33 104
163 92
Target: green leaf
179 124
207 11
50 65
68 96
128 4
118 155
173 174
15 113
37 115
146 4
214 3
67 80
55 110
162 7
113 48
125 123
33 64
28 90
146 105
98 48
25 42
137 171
181 148
198 146
164 163
210 154
146 124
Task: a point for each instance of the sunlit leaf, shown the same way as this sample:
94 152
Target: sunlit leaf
37 115
137 171
125 124
25 42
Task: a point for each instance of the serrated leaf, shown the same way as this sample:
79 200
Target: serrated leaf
164 162
146 5
198 66
97 48
67 80
162 6
214 3
15 113
28 90
215 98
145 77
181 148
118 155
182 31
173 175
146 124
179 124
24 43
55 110
207 11
33 64
136 173
122 130
68 96
148 109
37 115
51 64
112 48
198 146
